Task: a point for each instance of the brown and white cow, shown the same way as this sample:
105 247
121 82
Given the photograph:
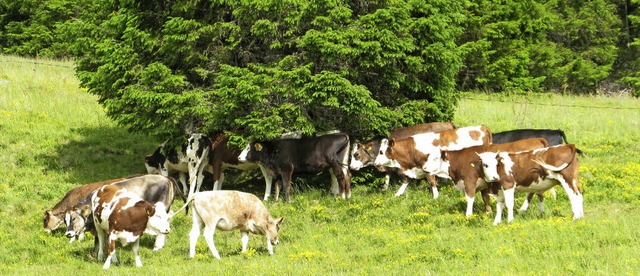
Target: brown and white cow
157 189
120 215
54 218
227 211
364 154
286 157
533 171
409 154
464 167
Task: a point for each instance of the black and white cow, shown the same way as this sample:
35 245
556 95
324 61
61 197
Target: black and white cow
284 157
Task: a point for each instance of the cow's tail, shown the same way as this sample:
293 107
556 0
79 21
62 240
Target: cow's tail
185 206
549 167
564 138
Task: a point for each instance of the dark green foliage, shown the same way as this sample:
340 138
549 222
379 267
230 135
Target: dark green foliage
256 69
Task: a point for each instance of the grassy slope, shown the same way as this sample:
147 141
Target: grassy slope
54 136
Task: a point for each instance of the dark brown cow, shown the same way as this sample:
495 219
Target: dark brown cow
364 154
410 154
54 218
533 171
122 215
464 167
285 157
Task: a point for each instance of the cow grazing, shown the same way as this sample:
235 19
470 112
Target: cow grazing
227 211
222 156
410 154
533 171
54 218
120 215
285 157
156 189
364 154
464 167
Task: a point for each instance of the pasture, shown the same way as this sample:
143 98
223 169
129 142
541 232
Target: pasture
55 136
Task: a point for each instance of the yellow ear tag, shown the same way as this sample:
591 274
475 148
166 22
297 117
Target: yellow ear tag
473 165
258 146
369 148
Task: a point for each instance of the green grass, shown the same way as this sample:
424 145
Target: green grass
54 136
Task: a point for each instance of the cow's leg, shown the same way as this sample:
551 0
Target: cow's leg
160 241
541 202
183 180
111 251
470 191
405 183
286 181
499 207
194 234
245 241
387 179
335 189
101 242
268 179
134 248
509 195
269 246
217 174
487 200
574 197
278 186
525 204
434 185
208 233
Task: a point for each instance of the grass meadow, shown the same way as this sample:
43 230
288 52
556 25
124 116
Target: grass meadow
55 136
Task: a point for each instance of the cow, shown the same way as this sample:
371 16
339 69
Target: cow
157 189
221 157
364 154
284 157
464 167
553 136
169 161
533 171
409 154
54 218
121 215
227 211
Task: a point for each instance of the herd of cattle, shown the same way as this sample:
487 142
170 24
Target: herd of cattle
498 165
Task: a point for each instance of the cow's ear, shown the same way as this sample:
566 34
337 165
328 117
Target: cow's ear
392 142
86 210
279 220
258 146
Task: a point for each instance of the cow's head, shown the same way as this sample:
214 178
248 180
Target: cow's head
437 164
386 154
362 155
159 219
490 165
51 221
251 152
76 220
151 166
272 228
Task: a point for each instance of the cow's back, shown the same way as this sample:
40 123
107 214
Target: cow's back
553 136
233 206
152 188
404 132
309 151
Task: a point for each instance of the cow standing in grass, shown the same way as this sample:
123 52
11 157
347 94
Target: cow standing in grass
120 215
364 154
533 171
227 211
